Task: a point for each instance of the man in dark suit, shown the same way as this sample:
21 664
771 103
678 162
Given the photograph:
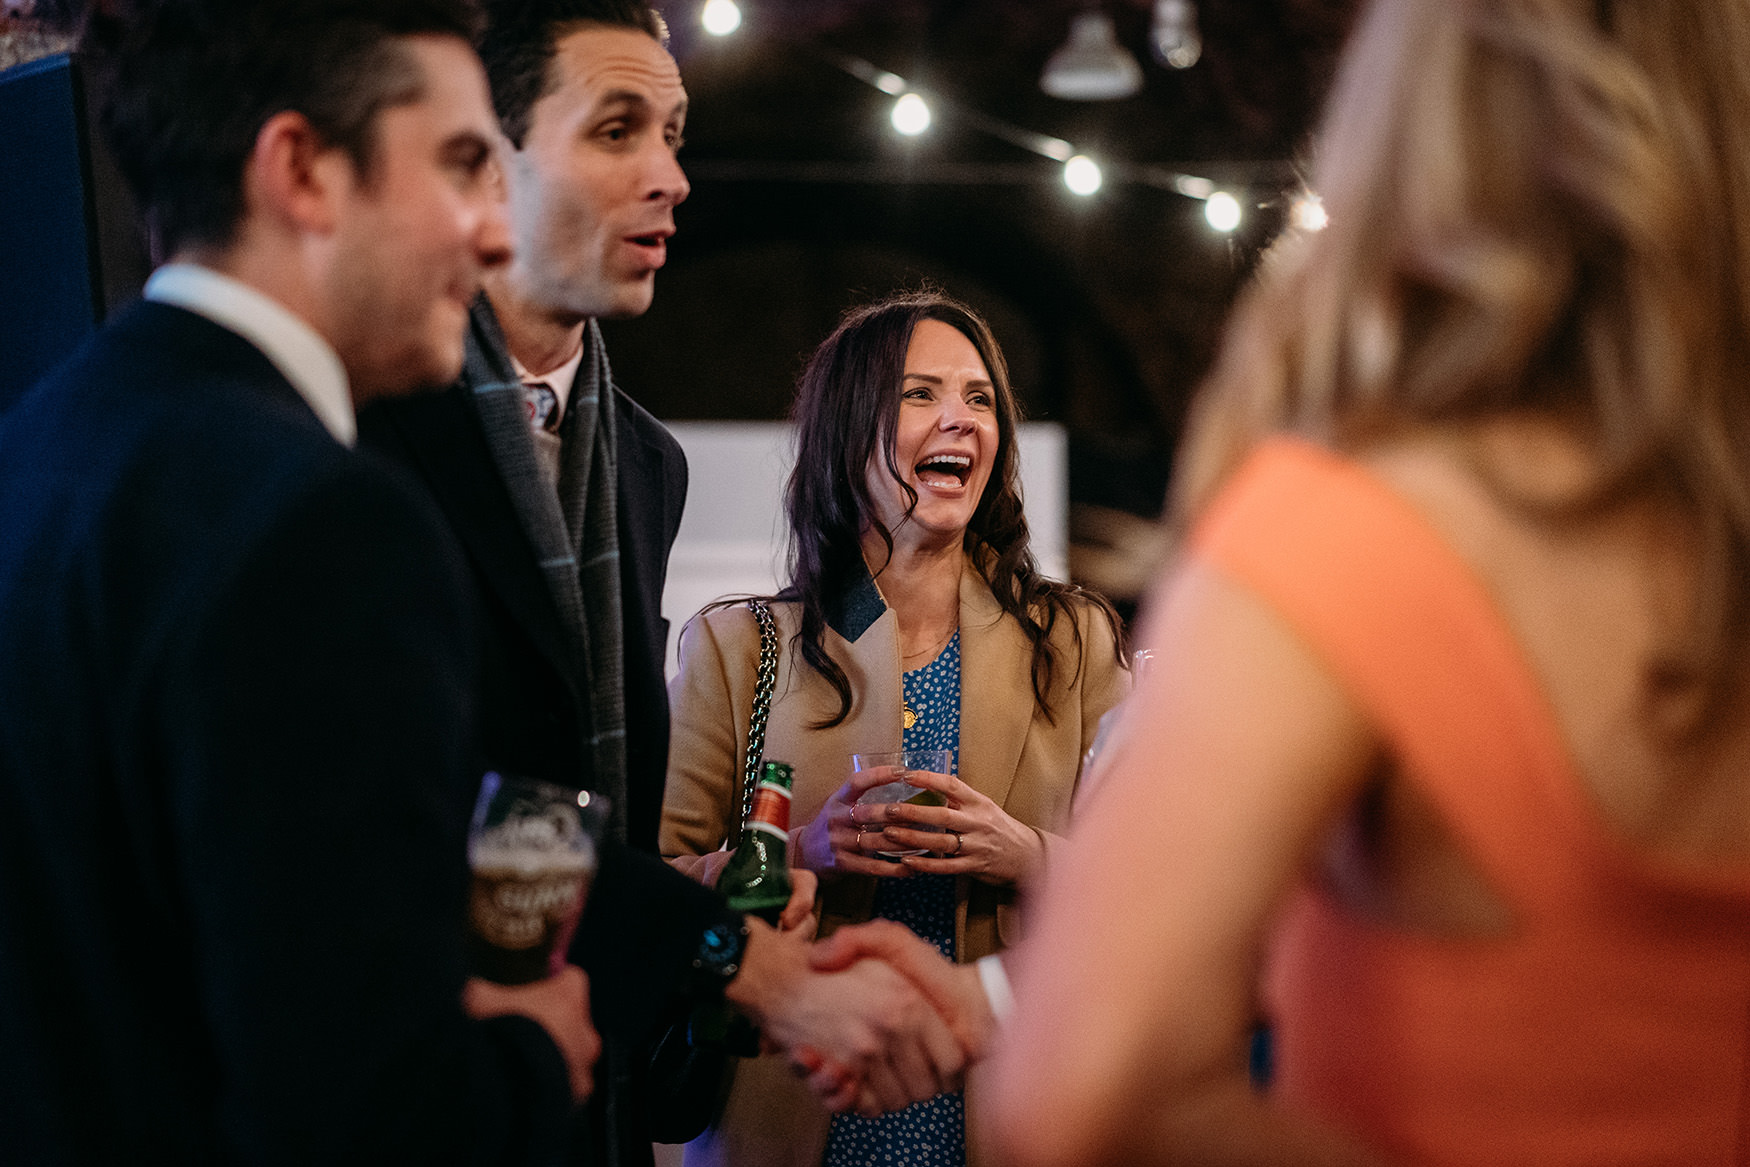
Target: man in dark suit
235 656
567 497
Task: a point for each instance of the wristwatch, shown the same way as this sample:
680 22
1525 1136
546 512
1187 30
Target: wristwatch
718 959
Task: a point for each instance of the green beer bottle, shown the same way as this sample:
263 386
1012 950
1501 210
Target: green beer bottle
756 881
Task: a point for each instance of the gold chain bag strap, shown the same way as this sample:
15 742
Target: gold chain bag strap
686 1083
765 680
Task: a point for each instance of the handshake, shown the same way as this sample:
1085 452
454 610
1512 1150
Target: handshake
873 1017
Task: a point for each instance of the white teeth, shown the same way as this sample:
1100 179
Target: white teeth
951 459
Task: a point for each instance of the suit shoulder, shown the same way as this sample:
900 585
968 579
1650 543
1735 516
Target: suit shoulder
644 425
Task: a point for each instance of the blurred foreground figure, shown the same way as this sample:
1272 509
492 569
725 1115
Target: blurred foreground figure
234 655
1448 731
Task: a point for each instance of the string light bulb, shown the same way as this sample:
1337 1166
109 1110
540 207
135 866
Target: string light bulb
1082 175
1222 211
720 17
911 115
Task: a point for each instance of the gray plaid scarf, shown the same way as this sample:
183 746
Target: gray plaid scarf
573 531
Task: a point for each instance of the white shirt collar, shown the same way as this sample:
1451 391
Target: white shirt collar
296 350
558 379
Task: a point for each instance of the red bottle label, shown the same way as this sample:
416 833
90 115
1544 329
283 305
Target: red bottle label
771 810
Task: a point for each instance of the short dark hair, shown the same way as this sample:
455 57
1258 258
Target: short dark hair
523 35
186 85
846 416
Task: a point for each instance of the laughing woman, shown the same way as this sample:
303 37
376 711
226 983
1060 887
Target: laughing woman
914 618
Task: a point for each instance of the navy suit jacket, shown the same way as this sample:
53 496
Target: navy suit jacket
644 921
235 664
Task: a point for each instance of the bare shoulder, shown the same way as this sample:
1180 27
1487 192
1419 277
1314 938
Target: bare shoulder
1508 468
1513 498
1599 600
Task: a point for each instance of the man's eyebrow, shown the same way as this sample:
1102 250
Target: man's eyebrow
617 101
622 101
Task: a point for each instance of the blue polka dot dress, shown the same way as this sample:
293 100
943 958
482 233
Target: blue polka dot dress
931 1133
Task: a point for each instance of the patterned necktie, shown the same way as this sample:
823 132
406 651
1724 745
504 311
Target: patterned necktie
542 405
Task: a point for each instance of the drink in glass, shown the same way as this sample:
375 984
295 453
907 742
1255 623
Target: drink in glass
899 790
532 849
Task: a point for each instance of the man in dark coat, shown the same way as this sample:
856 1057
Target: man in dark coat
567 496
236 657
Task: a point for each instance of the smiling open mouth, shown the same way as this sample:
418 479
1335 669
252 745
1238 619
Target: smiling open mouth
944 470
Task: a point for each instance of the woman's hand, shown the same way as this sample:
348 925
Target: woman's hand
797 914
845 836
983 839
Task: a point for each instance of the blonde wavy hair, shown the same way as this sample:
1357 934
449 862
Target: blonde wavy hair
1537 207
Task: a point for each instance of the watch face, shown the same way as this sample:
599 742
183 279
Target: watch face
720 950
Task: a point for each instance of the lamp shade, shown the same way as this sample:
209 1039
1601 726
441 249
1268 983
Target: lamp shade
1091 65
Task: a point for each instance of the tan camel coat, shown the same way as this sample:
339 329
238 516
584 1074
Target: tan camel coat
1009 751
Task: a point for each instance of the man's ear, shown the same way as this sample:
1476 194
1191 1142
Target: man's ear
294 177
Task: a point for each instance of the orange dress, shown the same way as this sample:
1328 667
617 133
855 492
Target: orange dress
1613 1025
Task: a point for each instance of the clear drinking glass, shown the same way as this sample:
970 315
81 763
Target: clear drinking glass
532 847
1141 661
899 790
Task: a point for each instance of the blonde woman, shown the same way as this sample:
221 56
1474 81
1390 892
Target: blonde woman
1449 727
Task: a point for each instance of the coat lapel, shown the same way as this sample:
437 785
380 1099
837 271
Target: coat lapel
996 690
868 648
497 395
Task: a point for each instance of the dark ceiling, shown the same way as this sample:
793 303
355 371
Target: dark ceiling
1252 96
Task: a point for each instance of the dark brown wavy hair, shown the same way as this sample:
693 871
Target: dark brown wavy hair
846 416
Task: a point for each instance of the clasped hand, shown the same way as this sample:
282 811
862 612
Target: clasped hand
973 836
957 1018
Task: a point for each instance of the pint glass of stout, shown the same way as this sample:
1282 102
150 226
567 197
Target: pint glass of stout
532 848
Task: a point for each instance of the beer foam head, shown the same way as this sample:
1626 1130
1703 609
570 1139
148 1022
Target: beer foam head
548 842
494 854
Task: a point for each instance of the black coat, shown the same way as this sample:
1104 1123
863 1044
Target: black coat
644 921
234 665
531 700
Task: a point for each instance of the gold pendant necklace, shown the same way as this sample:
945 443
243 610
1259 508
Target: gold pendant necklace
908 716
